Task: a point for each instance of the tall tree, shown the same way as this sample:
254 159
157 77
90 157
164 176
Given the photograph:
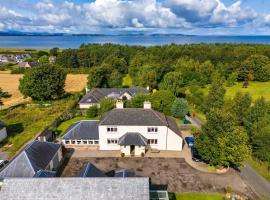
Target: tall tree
43 83
172 81
179 108
162 101
215 98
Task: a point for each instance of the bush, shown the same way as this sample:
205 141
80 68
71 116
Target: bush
179 108
122 155
92 111
106 104
142 154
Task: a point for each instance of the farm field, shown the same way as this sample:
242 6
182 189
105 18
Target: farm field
255 89
10 83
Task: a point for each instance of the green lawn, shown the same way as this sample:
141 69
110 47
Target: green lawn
24 123
66 124
255 89
127 81
262 168
194 196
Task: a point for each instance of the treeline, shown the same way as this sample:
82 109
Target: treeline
160 66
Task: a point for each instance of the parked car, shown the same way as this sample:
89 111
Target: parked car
186 122
190 141
195 155
3 163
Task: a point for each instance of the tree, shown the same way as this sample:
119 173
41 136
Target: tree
222 142
138 100
240 106
54 51
97 78
261 145
232 79
179 108
106 104
92 111
162 101
215 98
3 95
43 60
172 81
115 79
43 83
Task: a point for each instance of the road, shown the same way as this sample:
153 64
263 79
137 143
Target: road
256 181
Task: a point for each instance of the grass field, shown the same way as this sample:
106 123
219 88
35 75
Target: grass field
64 125
10 83
255 89
24 123
194 196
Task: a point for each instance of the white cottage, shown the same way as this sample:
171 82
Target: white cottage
130 130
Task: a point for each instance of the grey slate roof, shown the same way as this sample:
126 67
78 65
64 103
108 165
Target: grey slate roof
83 130
45 174
36 156
90 170
132 139
96 94
75 189
133 117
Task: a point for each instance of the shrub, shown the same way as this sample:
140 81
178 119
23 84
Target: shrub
122 155
179 108
142 154
106 104
92 111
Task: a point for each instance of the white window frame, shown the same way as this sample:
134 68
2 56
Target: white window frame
112 141
152 141
112 129
152 129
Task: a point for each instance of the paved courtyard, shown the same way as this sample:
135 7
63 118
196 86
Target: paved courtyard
175 173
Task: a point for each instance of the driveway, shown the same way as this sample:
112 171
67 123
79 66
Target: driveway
255 180
174 173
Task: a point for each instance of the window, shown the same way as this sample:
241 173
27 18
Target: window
152 141
85 142
96 142
111 129
152 129
73 142
90 142
67 142
79 142
112 141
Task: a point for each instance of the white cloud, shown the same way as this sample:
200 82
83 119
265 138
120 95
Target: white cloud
179 15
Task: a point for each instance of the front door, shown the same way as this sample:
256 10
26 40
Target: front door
132 150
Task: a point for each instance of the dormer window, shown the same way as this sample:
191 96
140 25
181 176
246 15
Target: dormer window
152 129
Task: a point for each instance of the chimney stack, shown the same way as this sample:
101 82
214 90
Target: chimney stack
147 105
119 104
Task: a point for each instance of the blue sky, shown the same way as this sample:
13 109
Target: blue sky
207 17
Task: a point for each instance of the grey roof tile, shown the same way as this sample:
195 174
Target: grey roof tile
75 189
132 139
83 130
90 170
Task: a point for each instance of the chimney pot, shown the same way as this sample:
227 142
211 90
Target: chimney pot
147 105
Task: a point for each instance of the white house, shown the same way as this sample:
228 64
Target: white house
130 130
95 95
3 131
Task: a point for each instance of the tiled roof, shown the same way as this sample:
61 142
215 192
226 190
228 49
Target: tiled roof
132 139
83 130
96 94
75 189
36 156
90 170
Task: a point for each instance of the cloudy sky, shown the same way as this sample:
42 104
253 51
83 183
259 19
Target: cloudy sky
220 17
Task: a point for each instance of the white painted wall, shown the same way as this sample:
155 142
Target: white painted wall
163 134
125 150
3 134
139 150
88 105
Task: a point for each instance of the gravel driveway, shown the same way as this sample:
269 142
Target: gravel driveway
173 172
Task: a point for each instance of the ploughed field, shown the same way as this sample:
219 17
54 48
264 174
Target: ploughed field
10 83
174 173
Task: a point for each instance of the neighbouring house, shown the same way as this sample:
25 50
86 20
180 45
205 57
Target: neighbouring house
27 65
130 130
74 188
38 159
95 95
3 131
52 59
